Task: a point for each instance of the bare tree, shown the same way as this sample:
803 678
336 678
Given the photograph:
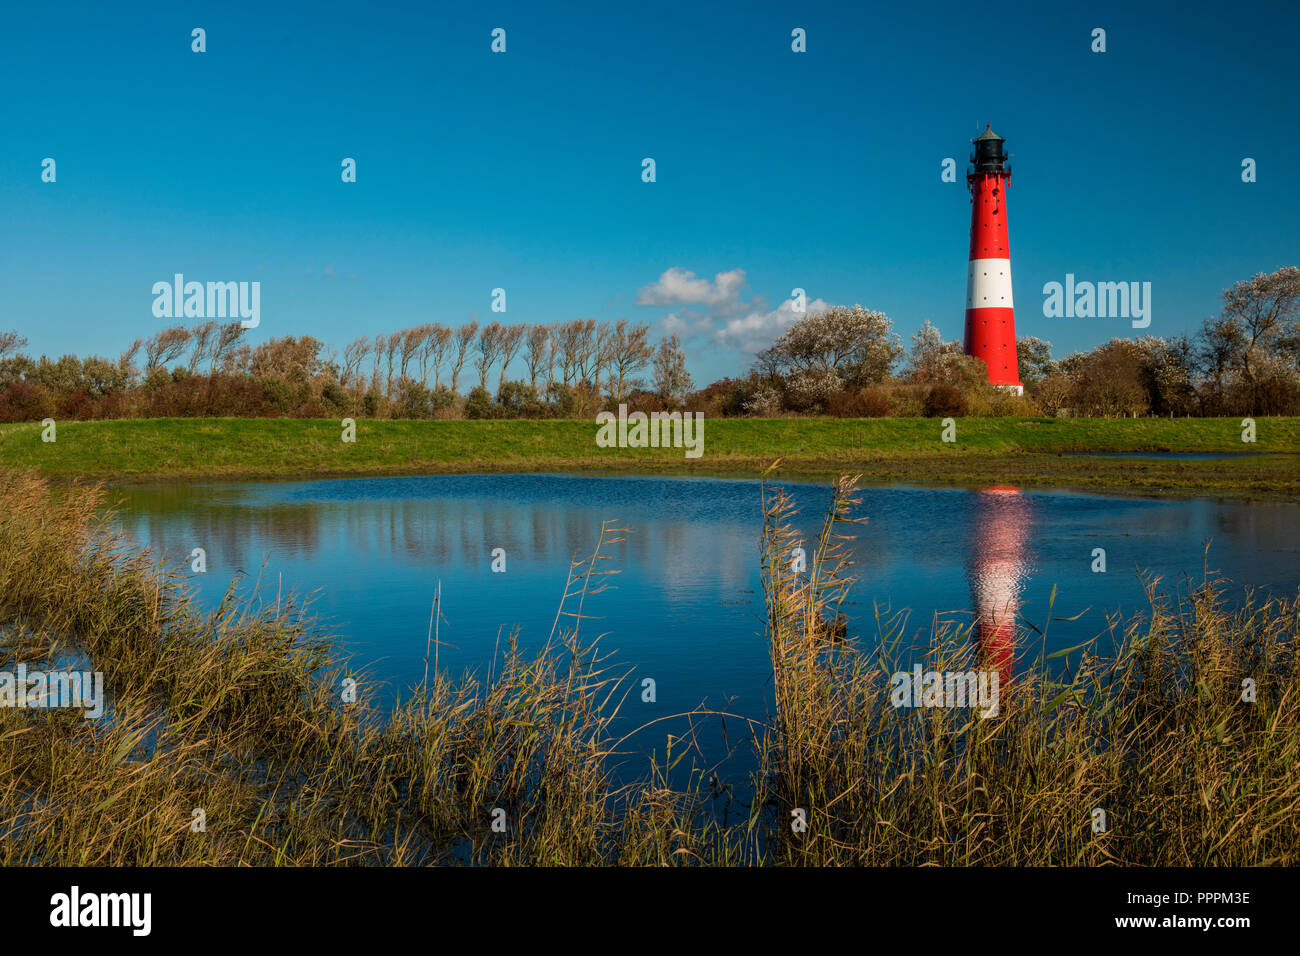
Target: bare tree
353 355
603 360
1265 308
427 342
238 360
202 337
512 337
10 342
631 352
489 350
410 345
537 352
125 360
464 338
567 343
165 346
767 364
377 350
222 344
392 343
551 353
585 351
440 338
672 381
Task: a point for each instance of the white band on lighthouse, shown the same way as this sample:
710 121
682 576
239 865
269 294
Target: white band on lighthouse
988 284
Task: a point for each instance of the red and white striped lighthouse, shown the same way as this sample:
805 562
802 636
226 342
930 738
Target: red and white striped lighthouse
990 313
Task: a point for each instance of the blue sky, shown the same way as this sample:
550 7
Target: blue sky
477 170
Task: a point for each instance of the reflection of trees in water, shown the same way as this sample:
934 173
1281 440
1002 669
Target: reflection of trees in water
1257 526
1264 526
664 549
230 534
1257 538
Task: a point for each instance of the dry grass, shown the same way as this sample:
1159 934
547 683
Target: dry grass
240 712
1157 735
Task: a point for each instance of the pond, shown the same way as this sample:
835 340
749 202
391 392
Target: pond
686 609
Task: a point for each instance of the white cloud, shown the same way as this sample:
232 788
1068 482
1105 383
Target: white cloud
681 287
758 328
714 312
688 324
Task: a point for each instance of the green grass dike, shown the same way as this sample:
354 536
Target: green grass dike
1023 451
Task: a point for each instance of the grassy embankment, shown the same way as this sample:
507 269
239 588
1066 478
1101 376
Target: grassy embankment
240 713
998 450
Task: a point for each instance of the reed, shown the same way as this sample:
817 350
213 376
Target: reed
241 713
1156 734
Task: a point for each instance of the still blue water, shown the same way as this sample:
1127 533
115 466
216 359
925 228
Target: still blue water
686 608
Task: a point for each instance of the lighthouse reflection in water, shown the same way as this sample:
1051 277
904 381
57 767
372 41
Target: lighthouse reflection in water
998 566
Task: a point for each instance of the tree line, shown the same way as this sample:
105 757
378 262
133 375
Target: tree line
848 362
568 369
844 361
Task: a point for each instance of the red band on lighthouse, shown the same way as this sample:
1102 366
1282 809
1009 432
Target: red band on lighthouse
990 311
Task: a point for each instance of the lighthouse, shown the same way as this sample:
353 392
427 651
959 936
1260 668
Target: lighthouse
990 313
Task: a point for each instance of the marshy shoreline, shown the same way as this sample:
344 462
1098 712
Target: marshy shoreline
243 712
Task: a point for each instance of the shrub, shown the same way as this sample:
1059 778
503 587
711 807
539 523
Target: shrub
764 401
944 401
479 404
859 402
566 400
640 401
157 378
412 400
807 391
284 395
723 399
26 402
1054 392
335 397
444 404
520 400
909 403
1009 404
1109 381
